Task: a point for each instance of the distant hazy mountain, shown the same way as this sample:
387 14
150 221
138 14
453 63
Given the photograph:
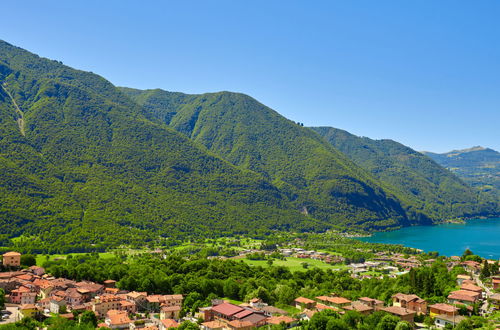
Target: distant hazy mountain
478 166
418 180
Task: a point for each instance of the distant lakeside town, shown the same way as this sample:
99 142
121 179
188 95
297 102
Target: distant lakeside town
32 294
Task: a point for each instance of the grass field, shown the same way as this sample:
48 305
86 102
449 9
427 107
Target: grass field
41 258
295 264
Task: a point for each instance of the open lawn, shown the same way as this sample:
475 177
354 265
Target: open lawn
295 264
41 258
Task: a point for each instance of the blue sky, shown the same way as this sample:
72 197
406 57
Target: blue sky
425 73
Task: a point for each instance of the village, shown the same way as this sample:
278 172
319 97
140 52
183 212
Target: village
30 292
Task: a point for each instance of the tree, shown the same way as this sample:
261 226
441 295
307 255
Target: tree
188 326
388 322
404 325
88 317
2 298
28 260
467 252
485 272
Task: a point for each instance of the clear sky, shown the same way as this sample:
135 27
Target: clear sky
425 73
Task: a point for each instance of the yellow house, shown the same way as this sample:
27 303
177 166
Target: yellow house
27 310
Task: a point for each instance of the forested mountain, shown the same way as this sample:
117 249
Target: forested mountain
81 165
86 165
418 180
319 179
477 166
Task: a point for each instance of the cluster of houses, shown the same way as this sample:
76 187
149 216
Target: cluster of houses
39 295
225 315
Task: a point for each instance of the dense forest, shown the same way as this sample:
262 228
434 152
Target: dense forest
87 166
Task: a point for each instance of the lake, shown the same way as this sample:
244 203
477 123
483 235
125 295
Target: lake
481 236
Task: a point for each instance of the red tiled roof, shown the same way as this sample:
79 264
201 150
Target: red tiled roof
240 324
169 323
227 309
11 254
302 300
243 313
398 311
471 287
444 307
213 324
280 319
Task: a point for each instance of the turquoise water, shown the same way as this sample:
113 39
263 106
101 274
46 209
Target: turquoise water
481 236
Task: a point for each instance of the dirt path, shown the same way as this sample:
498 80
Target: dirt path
20 119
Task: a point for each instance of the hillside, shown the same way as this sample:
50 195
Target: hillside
477 166
320 180
82 168
418 180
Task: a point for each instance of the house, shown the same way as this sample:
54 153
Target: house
463 297
495 301
373 303
109 283
154 302
170 312
442 320
461 278
496 283
43 304
212 325
273 311
303 303
359 307
139 298
403 313
471 287
56 303
101 305
442 309
93 289
168 323
116 319
28 310
38 271
11 259
22 296
287 320
239 324
410 301
472 266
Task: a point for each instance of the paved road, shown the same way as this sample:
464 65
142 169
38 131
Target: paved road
12 317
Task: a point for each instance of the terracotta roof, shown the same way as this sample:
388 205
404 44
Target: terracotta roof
227 309
11 254
495 297
463 277
444 307
463 295
109 281
254 318
171 308
302 300
339 300
406 297
471 287
28 306
368 299
400 311
242 314
240 324
117 317
274 310
358 306
320 306
280 319
213 324
169 323
135 294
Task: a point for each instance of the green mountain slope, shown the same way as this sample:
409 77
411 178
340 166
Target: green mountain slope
320 180
80 165
424 185
477 166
